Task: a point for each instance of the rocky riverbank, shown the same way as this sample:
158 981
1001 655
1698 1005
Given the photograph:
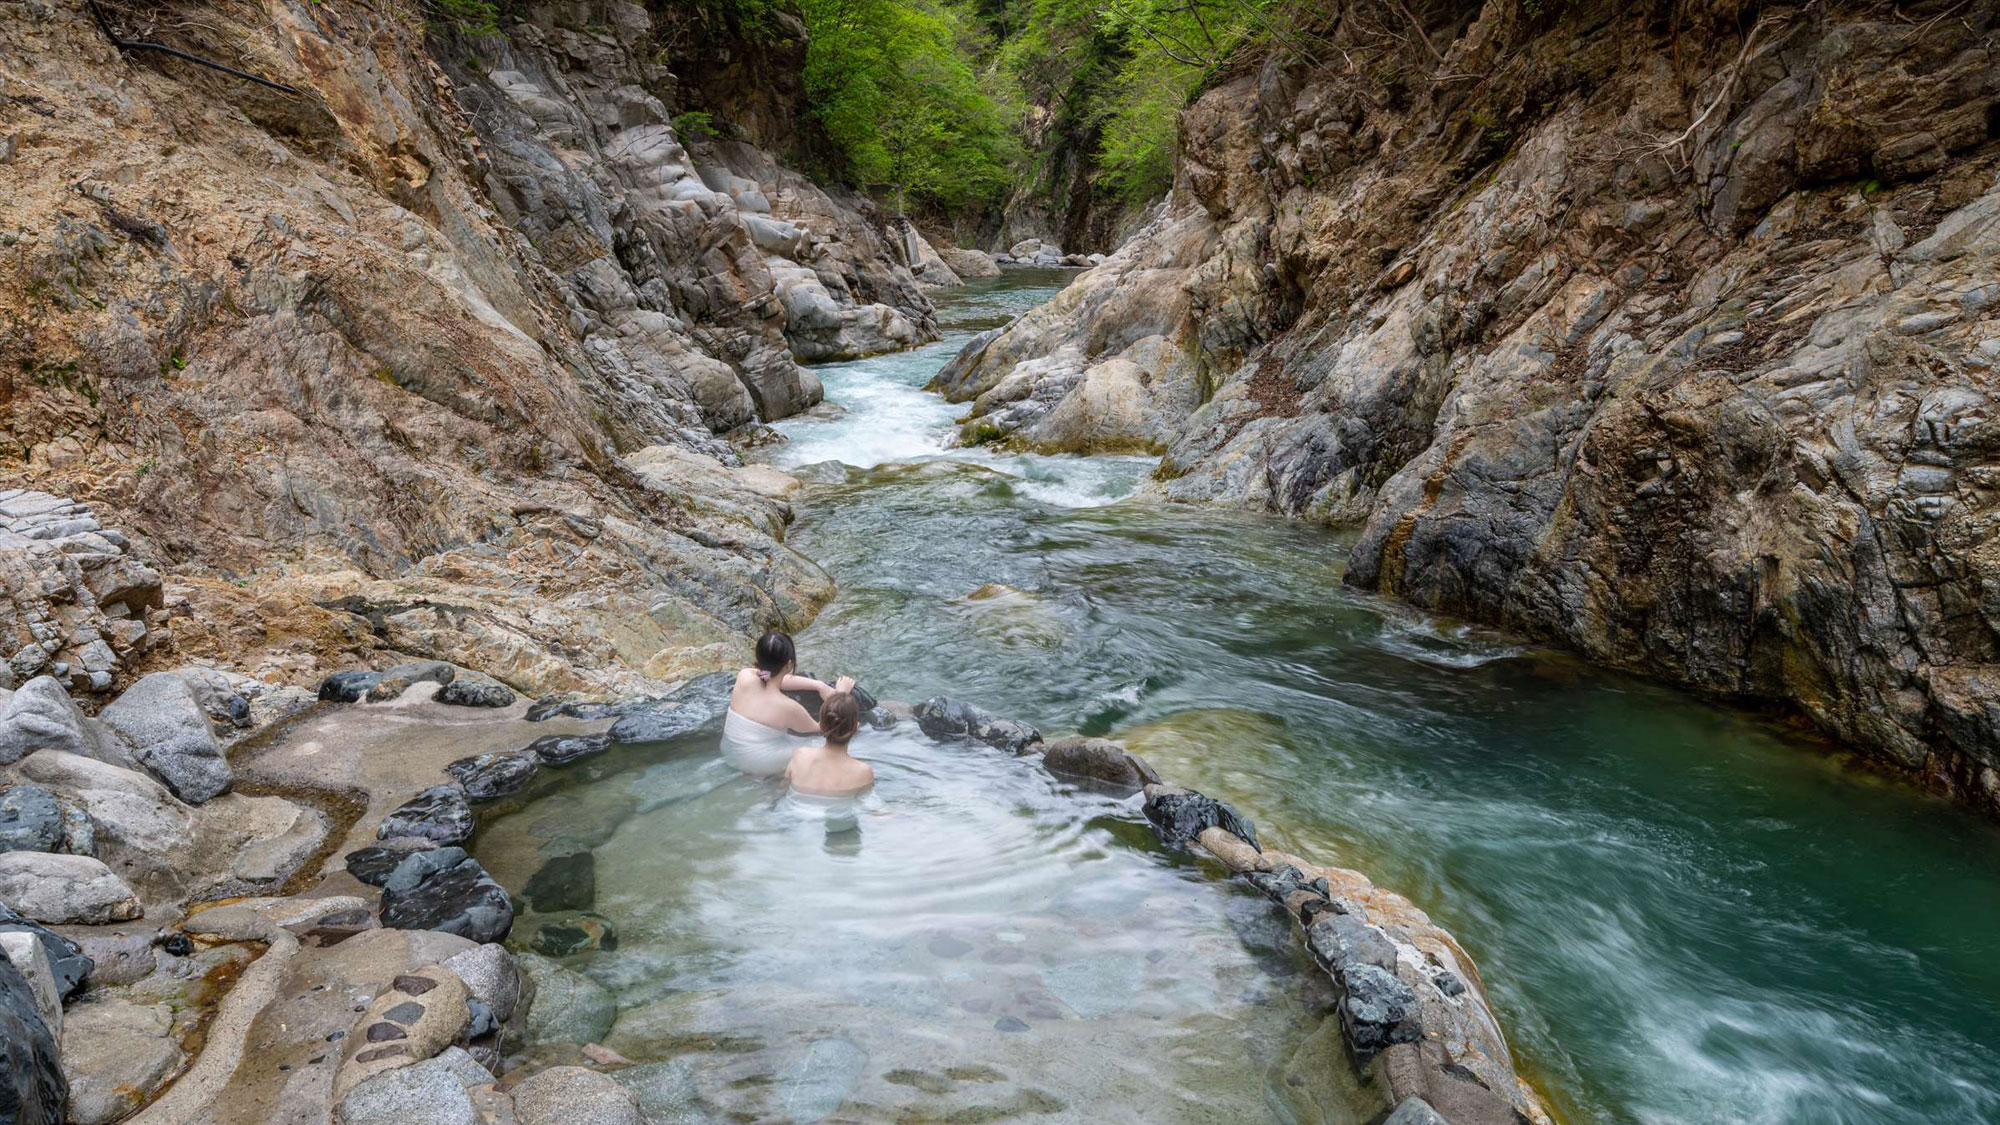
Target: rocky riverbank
431 356
1666 337
362 968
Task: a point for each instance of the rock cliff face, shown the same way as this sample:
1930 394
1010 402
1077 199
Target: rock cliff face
1670 332
360 366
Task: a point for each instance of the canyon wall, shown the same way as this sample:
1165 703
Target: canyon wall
1670 332
366 364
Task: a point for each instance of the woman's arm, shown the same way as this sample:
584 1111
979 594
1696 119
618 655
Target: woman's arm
806 683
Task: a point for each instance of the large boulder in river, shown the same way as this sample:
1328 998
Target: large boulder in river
1100 761
59 889
32 1088
168 732
1180 815
446 890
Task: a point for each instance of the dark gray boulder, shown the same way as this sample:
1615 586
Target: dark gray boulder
373 865
1011 735
572 705
67 960
474 690
1099 760
487 776
399 679
31 819
696 707
33 1090
943 717
810 700
1179 815
567 882
441 813
348 687
1377 1011
1341 941
445 889
562 749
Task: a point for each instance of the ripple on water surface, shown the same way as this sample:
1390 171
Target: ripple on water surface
985 946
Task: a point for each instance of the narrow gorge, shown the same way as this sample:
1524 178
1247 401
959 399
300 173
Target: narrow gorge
1409 563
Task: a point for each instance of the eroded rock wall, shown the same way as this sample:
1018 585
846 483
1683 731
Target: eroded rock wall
1665 331
358 367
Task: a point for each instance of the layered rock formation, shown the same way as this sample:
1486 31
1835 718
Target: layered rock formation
1669 333
358 366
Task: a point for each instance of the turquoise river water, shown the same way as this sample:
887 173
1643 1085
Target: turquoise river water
1684 913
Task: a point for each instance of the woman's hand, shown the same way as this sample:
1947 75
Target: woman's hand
844 683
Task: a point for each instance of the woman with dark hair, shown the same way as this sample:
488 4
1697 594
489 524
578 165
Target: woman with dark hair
764 725
825 781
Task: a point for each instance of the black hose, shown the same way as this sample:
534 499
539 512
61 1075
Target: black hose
104 25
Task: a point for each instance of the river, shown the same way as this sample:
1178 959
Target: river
1684 913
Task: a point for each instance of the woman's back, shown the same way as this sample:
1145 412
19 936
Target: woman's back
827 771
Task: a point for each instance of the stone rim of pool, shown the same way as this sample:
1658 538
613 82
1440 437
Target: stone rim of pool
1420 1035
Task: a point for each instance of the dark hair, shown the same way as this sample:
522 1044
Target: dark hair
774 651
840 717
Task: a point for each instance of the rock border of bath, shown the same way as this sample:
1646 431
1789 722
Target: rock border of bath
1413 1010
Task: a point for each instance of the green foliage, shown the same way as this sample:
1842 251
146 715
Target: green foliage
892 83
695 125
472 17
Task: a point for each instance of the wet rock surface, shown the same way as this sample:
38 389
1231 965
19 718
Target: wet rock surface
446 890
440 813
1180 815
487 776
698 707
945 718
1100 761
563 749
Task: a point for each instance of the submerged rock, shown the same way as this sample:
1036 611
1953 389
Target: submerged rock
33 1090
569 933
168 732
568 1006
567 882
575 1095
1179 815
488 776
449 891
440 813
